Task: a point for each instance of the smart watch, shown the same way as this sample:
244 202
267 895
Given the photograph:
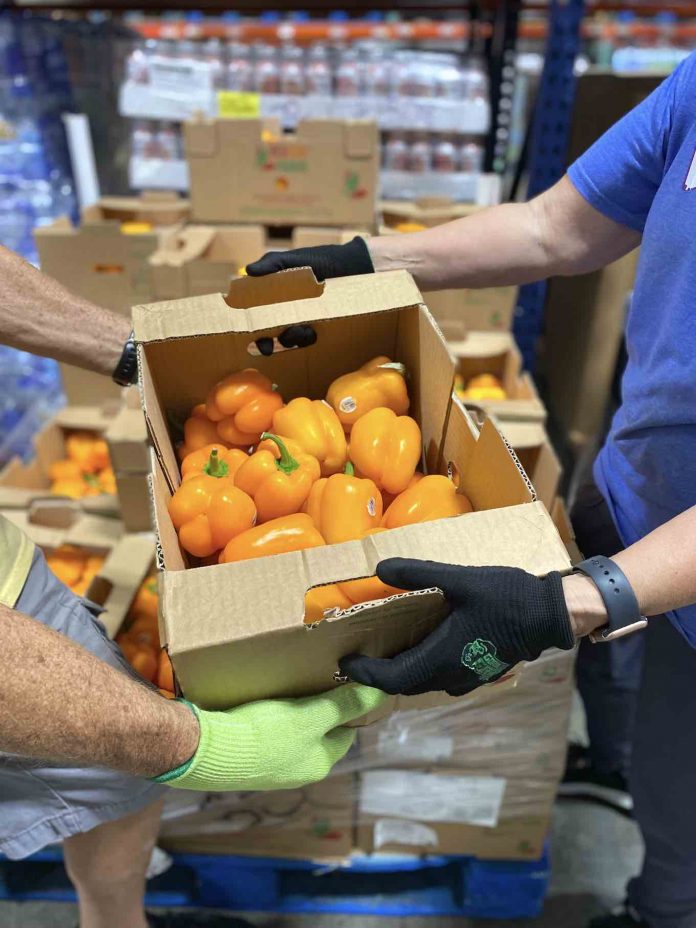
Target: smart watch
126 371
622 606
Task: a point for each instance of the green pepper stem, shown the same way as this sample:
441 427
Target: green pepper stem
287 462
215 467
349 470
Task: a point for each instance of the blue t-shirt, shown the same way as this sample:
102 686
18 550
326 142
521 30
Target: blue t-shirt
642 173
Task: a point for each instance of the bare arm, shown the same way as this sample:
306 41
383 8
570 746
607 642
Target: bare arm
37 314
557 233
661 568
60 703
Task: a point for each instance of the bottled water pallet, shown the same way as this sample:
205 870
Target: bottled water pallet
378 885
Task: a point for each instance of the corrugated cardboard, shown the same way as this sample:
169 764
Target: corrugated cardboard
21 484
126 436
196 260
496 353
427 211
248 171
314 823
561 519
50 524
488 310
99 262
257 645
533 447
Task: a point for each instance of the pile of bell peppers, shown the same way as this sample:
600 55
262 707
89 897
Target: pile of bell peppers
260 476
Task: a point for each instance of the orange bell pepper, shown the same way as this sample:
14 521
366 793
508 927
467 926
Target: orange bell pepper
315 425
72 487
208 511
320 599
380 382
433 497
366 589
107 480
90 452
243 405
66 469
344 507
388 498
386 448
214 460
146 600
67 564
199 431
278 487
289 533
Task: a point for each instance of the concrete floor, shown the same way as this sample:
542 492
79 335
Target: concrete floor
594 852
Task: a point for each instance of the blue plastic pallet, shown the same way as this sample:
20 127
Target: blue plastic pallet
445 886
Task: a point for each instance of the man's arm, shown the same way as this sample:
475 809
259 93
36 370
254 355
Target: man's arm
59 702
37 314
557 233
661 568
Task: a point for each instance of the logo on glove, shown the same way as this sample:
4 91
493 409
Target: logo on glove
481 657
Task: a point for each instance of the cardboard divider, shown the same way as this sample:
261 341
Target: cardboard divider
535 452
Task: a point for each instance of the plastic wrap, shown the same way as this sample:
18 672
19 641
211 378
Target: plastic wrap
475 775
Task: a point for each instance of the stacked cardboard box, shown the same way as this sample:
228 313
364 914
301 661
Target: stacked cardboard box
51 524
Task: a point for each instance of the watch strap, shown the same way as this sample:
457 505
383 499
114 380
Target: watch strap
126 371
622 606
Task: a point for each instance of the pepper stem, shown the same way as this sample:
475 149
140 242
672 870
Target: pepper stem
215 467
287 462
349 470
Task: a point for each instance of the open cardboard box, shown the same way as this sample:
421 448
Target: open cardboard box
129 451
101 263
426 211
50 524
247 170
235 632
21 484
496 353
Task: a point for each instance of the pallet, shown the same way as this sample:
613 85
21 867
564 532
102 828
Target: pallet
377 885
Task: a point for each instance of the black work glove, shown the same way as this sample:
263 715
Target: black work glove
325 260
499 616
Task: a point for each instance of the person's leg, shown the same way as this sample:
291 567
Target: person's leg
608 675
107 867
663 780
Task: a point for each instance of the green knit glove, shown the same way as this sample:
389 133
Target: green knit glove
275 743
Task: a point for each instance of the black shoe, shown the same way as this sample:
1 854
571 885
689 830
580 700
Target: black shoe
582 781
624 917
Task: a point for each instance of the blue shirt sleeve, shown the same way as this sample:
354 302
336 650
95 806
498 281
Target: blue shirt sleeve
620 174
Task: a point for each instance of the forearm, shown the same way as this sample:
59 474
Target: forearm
106 718
557 233
661 569
37 314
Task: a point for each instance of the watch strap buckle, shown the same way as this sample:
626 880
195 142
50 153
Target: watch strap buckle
605 634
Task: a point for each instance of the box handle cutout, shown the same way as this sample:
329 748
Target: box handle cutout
295 336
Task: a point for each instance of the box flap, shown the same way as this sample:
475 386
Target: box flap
340 297
182 246
479 344
360 139
120 577
52 523
523 434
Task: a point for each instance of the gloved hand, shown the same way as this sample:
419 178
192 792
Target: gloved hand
325 260
274 743
500 615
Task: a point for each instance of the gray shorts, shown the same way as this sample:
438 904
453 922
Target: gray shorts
40 804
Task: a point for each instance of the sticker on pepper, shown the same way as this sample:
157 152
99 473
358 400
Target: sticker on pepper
371 506
348 404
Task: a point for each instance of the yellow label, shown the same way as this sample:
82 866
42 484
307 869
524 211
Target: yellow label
236 104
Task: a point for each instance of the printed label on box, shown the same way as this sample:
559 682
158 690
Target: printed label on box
431 797
235 104
399 831
167 75
405 745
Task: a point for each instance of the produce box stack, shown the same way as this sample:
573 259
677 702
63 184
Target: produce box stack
91 554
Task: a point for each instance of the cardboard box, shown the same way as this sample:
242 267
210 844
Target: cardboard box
101 263
426 211
533 447
496 353
129 451
561 519
258 645
315 823
248 171
488 310
50 524
21 484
